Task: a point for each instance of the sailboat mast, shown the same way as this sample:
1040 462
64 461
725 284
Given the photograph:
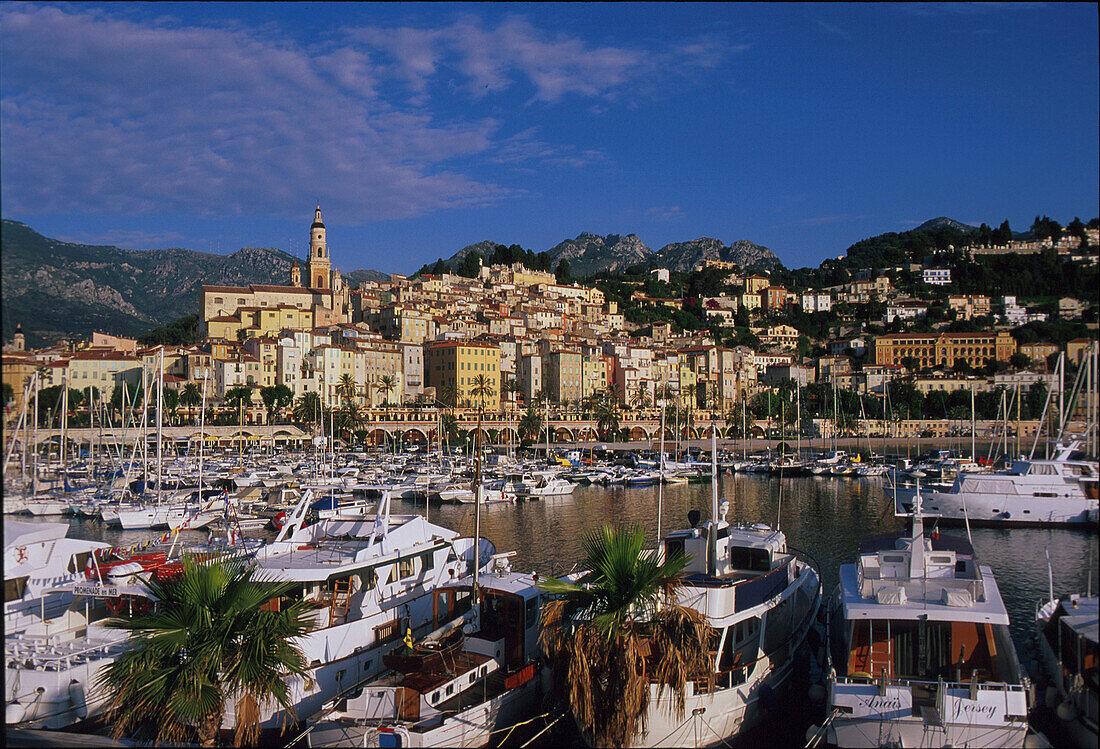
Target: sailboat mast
34 440
973 426
64 417
160 421
202 424
477 507
661 481
712 533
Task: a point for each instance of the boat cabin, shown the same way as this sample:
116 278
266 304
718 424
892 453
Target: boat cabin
449 671
921 609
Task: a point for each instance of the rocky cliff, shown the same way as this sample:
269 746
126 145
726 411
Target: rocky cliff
591 253
683 256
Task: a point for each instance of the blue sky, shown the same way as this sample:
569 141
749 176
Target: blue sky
423 128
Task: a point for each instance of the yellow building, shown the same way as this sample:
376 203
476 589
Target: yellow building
754 284
942 349
595 375
751 300
17 369
456 364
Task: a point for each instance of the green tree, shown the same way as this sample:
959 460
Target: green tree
276 398
238 399
531 423
7 393
607 416
210 640
562 272
190 397
1019 360
352 419
307 409
616 629
639 399
346 388
386 385
171 399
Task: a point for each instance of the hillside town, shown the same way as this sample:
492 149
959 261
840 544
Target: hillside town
383 359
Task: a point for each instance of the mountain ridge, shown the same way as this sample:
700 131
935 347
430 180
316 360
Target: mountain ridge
589 253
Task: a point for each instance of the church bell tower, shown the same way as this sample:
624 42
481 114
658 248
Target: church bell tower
318 266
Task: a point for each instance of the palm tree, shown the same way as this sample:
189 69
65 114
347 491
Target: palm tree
352 419
639 399
448 395
386 385
171 402
689 391
210 640
615 392
618 628
607 417
191 397
531 423
481 390
346 388
450 427
308 408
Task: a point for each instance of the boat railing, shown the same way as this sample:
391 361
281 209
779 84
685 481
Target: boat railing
989 686
917 588
45 654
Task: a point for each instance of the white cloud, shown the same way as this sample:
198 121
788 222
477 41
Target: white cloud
102 113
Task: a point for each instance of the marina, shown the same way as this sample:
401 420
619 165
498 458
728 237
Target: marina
825 517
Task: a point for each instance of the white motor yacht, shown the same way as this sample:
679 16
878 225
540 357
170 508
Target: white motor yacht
760 601
372 580
919 648
1061 491
476 673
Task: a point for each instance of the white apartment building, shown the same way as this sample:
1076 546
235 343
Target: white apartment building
816 302
937 276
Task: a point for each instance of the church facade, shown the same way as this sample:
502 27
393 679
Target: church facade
260 310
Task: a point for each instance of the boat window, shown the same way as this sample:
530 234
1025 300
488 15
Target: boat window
427 560
532 613
1042 469
369 578
756 560
777 627
79 561
405 568
674 547
14 588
